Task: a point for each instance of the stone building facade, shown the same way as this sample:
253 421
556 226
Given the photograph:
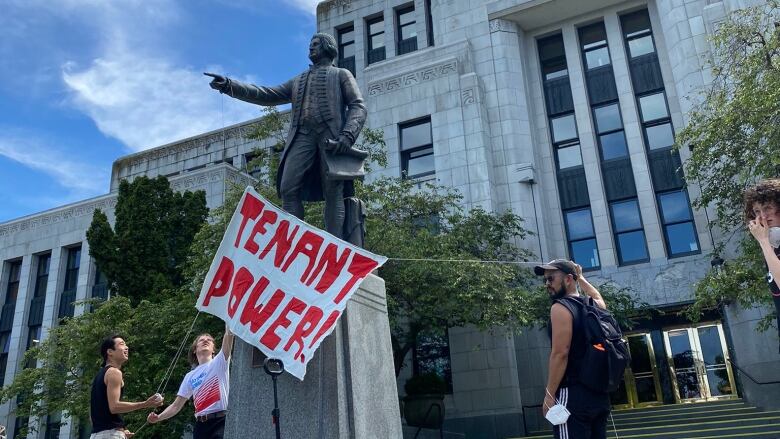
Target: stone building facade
563 112
560 111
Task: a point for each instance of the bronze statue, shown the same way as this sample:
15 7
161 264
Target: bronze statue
318 162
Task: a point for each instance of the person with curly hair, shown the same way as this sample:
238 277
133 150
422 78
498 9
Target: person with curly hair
762 214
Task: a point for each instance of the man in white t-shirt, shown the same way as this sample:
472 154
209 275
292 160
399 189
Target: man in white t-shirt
208 386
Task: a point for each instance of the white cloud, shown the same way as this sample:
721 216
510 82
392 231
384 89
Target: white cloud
146 102
309 6
80 178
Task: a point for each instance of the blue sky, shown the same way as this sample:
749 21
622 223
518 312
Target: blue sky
83 82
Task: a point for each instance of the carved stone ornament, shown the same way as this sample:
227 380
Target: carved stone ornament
412 78
501 25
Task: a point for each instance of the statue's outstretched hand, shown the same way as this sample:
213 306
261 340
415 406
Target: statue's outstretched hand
219 82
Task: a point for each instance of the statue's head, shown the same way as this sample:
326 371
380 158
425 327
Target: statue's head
322 46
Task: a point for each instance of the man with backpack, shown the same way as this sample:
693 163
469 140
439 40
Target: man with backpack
584 362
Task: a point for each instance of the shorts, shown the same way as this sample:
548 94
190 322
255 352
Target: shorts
108 434
589 411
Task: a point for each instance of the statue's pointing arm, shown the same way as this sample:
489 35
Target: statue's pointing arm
356 107
255 94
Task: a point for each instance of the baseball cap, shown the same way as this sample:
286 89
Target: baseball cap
564 265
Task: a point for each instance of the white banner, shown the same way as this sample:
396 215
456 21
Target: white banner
280 283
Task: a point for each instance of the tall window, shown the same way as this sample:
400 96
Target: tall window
617 173
33 339
665 165
570 173
376 39
35 316
5 345
53 422
417 149
71 281
7 318
14 275
429 22
346 39
407 29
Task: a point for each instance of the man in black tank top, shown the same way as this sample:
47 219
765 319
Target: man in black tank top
762 213
105 406
588 410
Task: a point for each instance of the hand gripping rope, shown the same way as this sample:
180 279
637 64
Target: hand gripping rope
169 371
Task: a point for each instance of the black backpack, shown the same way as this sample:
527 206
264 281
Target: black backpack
606 352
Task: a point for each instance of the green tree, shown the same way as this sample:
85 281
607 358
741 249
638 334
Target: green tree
734 133
143 254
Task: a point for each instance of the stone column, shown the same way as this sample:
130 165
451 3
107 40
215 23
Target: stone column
349 390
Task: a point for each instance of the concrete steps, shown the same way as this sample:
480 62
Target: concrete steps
719 419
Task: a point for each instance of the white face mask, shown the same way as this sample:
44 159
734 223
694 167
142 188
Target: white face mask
557 414
774 236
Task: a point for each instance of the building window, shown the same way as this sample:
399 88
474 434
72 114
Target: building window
53 425
71 282
431 354
677 219
346 40
582 238
33 339
19 425
595 51
11 291
14 274
664 162
5 345
629 233
616 169
429 22
407 30
638 33
417 149
42 279
376 40
570 173
35 316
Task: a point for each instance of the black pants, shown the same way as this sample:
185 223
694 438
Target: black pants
211 429
302 155
589 412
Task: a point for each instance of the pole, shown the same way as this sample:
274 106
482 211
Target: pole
275 412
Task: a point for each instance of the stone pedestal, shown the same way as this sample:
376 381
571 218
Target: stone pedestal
349 390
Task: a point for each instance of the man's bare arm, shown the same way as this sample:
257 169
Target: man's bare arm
589 289
227 343
113 381
169 412
562 323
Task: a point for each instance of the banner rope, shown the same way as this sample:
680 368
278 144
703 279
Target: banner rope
169 371
474 261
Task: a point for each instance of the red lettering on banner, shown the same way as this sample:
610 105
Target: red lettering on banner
255 313
325 327
309 246
305 327
270 339
250 209
359 268
268 217
282 241
241 284
332 265
219 286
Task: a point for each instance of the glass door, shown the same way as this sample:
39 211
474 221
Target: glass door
640 386
698 362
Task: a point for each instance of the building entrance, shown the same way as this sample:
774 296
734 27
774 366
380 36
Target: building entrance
641 384
698 363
